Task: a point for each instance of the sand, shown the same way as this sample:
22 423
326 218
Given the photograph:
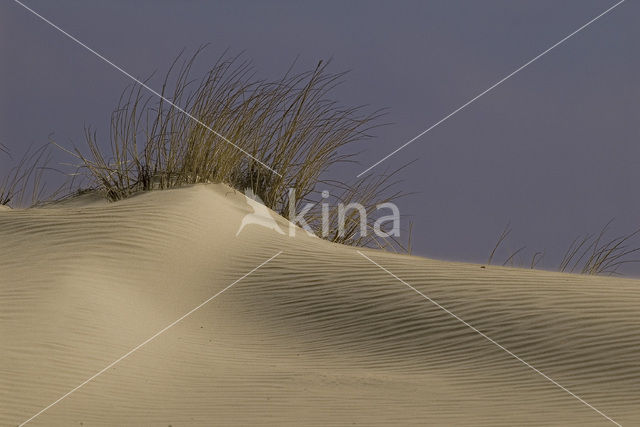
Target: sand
317 336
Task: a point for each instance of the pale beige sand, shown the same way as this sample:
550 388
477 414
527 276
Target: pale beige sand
318 336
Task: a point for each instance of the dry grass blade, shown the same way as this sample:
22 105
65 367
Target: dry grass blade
501 239
511 257
535 259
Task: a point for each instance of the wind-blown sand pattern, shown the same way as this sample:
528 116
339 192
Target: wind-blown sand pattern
317 336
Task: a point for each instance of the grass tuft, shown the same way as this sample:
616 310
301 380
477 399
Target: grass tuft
22 184
597 254
588 254
291 124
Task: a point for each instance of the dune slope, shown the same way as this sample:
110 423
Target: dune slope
317 336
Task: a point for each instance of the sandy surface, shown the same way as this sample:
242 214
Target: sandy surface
318 336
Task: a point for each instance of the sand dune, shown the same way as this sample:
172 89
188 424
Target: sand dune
317 336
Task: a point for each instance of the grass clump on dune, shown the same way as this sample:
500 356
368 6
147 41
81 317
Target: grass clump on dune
229 127
23 183
598 254
588 254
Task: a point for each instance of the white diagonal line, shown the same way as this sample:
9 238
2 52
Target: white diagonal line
136 348
491 340
138 81
445 118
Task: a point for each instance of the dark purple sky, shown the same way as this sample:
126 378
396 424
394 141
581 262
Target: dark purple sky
555 149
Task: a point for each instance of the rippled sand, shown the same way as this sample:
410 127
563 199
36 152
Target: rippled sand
317 336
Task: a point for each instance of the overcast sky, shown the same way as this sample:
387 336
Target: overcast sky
555 149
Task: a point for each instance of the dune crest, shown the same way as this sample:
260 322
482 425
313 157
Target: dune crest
318 336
